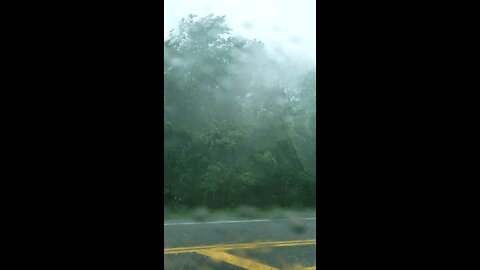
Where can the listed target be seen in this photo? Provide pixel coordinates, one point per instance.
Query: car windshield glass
(239, 134)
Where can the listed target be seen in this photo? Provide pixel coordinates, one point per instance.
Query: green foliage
(237, 132)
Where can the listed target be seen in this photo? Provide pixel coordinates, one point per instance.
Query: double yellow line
(224, 247)
(217, 252)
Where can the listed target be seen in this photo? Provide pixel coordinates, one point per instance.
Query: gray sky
(285, 26)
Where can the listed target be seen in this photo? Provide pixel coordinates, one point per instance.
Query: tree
(231, 126)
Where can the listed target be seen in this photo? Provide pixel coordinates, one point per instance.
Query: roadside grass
(203, 214)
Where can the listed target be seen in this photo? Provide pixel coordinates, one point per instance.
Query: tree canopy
(239, 127)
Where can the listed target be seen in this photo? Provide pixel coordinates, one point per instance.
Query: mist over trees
(239, 127)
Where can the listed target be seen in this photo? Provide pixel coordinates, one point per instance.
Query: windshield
(239, 134)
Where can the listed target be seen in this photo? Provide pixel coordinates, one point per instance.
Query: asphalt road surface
(261, 243)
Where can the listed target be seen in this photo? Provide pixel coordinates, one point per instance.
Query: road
(266, 243)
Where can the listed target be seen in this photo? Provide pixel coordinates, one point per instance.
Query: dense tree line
(239, 128)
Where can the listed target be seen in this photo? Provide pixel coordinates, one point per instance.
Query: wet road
(268, 243)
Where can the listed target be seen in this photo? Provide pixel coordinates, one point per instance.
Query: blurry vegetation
(239, 128)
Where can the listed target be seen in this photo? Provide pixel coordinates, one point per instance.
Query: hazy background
(286, 27)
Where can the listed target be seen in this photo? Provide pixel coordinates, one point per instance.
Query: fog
(239, 133)
(239, 104)
(286, 27)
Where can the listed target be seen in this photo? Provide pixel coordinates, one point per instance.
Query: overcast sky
(285, 26)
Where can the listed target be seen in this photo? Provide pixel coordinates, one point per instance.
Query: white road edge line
(231, 221)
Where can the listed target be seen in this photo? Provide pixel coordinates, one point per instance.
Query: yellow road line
(234, 260)
(223, 247)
